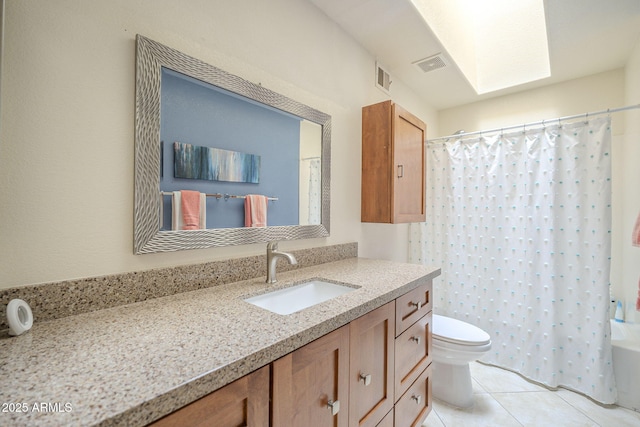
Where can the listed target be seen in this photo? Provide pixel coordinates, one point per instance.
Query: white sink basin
(299, 297)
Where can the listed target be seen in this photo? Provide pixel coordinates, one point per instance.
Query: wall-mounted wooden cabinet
(393, 165)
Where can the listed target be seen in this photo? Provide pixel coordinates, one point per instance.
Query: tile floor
(504, 399)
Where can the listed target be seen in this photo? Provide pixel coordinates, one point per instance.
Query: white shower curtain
(315, 202)
(521, 225)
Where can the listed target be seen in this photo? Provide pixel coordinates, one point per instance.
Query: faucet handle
(272, 246)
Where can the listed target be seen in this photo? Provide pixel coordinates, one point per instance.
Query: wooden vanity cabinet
(393, 165)
(372, 372)
(311, 384)
(371, 389)
(244, 402)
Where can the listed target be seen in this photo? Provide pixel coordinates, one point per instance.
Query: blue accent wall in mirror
(195, 112)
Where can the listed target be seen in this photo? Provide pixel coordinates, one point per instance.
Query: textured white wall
(66, 149)
(66, 156)
(578, 96)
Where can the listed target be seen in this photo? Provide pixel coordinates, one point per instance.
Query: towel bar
(220, 196)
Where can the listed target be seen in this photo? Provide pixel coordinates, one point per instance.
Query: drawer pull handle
(416, 339)
(334, 406)
(400, 171)
(366, 379)
(417, 305)
(417, 398)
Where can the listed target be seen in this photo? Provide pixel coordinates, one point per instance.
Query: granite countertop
(132, 364)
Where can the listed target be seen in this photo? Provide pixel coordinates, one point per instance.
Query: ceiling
(585, 37)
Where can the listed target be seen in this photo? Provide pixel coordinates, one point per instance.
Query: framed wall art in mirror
(305, 191)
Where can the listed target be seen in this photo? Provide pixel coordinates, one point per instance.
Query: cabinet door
(371, 353)
(244, 402)
(409, 134)
(377, 167)
(311, 385)
(387, 421)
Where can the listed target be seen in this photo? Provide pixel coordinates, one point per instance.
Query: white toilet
(455, 344)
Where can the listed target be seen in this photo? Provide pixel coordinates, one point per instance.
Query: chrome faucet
(272, 256)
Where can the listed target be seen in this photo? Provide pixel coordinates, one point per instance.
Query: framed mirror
(156, 64)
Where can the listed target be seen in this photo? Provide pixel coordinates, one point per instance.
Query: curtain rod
(538, 123)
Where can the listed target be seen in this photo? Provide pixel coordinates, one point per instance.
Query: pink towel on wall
(635, 237)
(190, 204)
(255, 210)
(638, 300)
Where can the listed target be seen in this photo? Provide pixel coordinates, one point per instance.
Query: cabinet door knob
(417, 398)
(416, 339)
(417, 305)
(366, 379)
(334, 406)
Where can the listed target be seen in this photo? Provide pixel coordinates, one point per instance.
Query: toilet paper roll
(19, 317)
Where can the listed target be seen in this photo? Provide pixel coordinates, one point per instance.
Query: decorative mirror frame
(151, 57)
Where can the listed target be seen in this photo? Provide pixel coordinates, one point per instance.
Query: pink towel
(255, 210)
(190, 203)
(635, 237)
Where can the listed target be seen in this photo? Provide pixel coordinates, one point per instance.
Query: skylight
(495, 43)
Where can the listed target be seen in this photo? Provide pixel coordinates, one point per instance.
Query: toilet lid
(458, 332)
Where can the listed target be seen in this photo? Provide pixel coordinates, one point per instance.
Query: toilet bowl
(455, 344)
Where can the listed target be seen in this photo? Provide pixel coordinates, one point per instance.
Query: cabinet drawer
(413, 354)
(414, 406)
(412, 306)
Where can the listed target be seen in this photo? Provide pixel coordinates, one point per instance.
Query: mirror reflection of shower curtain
(521, 226)
(315, 201)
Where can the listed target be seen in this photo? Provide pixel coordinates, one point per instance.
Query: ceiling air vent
(383, 80)
(431, 63)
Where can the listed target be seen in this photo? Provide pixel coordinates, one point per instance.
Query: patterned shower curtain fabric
(521, 225)
(315, 202)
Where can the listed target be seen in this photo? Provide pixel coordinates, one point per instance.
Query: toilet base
(452, 384)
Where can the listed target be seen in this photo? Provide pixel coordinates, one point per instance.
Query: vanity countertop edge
(133, 364)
